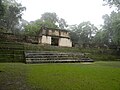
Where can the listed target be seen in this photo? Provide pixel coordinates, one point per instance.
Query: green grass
(97, 76)
(67, 76)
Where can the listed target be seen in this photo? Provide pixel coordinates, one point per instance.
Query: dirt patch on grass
(12, 77)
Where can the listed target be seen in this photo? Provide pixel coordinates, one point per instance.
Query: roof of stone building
(53, 29)
(46, 28)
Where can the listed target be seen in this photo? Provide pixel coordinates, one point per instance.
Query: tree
(84, 33)
(33, 27)
(12, 16)
(73, 35)
(112, 27)
(47, 19)
(100, 38)
(1, 9)
(62, 23)
(116, 32)
(53, 21)
(111, 3)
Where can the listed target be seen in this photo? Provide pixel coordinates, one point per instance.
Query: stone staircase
(54, 57)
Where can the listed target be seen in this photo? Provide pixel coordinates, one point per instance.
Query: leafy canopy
(9, 22)
(47, 19)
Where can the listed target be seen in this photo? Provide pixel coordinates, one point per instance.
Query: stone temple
(56, 37)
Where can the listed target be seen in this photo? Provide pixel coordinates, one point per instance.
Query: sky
(73, 11)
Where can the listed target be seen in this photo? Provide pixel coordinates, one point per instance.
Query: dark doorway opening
(54, 41)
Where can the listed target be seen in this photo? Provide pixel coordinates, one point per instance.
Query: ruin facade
(56, 37)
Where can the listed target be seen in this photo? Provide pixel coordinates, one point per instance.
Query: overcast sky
(73, 11)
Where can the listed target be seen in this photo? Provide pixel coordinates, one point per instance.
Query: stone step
(51, 61)
(57, 61)
(39, 57)
(53, 58)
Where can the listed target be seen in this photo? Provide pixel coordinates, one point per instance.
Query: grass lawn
(63, 76)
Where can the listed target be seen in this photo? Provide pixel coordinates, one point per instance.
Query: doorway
(55, 41)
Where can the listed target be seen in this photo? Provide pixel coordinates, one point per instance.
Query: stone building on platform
(56, 37)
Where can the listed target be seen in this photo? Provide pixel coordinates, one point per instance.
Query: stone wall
(64, 34)
(49, 35)
(65, 42)
(46, 39)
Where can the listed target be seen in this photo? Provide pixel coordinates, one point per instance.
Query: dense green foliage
(95, 76)
(9, 22)
(83, 33)
(112, 28)
(47, 19)
(1, 9)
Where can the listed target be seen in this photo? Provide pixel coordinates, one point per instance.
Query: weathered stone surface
(56, 37)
